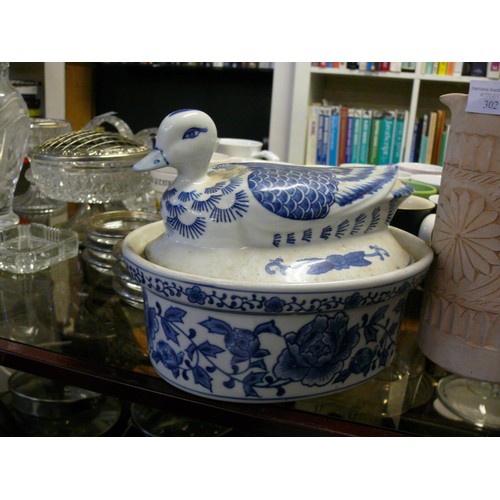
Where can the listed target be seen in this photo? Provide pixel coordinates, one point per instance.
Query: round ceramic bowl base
(269, 358)
(257, 342)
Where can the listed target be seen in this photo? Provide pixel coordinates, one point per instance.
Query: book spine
(366, 122)
(478, 69)
(409, 67)
(397, 148)
(466, 68)
(442, 68)
(312, 134)
(342, 134)
(457, 68)
(319, 141)
(423, 139)
(356, 136)
(493, 70)
(430, 137)
(440, 125)
(334, 136)
(415, 142)
(349, 136)
(374, 139)
(386, 134)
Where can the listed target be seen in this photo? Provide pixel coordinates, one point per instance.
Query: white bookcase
(297, 85)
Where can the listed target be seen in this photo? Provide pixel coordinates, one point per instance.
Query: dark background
(238, 100)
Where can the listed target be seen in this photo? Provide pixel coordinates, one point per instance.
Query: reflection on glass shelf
(473, 401)
(380, 400)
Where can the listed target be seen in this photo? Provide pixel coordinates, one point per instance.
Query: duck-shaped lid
(264, 206)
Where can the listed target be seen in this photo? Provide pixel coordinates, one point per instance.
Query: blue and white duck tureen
(270, 281)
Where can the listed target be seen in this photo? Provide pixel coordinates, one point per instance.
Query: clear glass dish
(27, 248)
(89, 167)
(474, 401)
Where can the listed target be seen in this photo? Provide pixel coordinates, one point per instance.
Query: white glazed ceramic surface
(268, 281)
(257, 342)
(420, 168)
(244, 149)
(270, 221)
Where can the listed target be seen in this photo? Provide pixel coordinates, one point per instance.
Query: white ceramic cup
(244, 148)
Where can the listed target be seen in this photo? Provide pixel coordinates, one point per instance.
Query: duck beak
(155, 159)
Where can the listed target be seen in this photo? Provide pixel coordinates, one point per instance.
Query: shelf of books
(423, 70)
(340, 134)
(375, 112)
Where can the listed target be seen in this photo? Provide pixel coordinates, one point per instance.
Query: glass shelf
(54, 324)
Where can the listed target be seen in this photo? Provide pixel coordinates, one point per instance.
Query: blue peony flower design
(316, 353)
(243, 344)
(168, 357)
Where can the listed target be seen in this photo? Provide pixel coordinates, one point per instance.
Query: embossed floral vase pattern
(460, 323)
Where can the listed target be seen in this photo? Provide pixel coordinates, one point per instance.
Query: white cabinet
(417, 92)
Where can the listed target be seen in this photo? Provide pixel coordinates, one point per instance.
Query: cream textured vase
(460, 320)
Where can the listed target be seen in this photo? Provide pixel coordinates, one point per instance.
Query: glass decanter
(14, 134)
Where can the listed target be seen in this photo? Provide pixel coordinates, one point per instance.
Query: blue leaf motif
(259, 364)
(269, 327)
(342, 376)
(202, 377)
(217, 326)
(170, 333)
(209, 350)
(254, 378)
(191, 350)
(379, 315)
(260, 353)
(250, 391)
(384, 356)
(250, 380)
(370, 333)
(174, 315)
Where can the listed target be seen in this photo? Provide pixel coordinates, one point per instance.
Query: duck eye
(193, 132)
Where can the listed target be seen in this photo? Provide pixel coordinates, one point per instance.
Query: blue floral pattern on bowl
(221, 356)
(262, 343)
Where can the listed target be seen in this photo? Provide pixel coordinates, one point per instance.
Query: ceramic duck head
(185, 140)
(263, 207)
